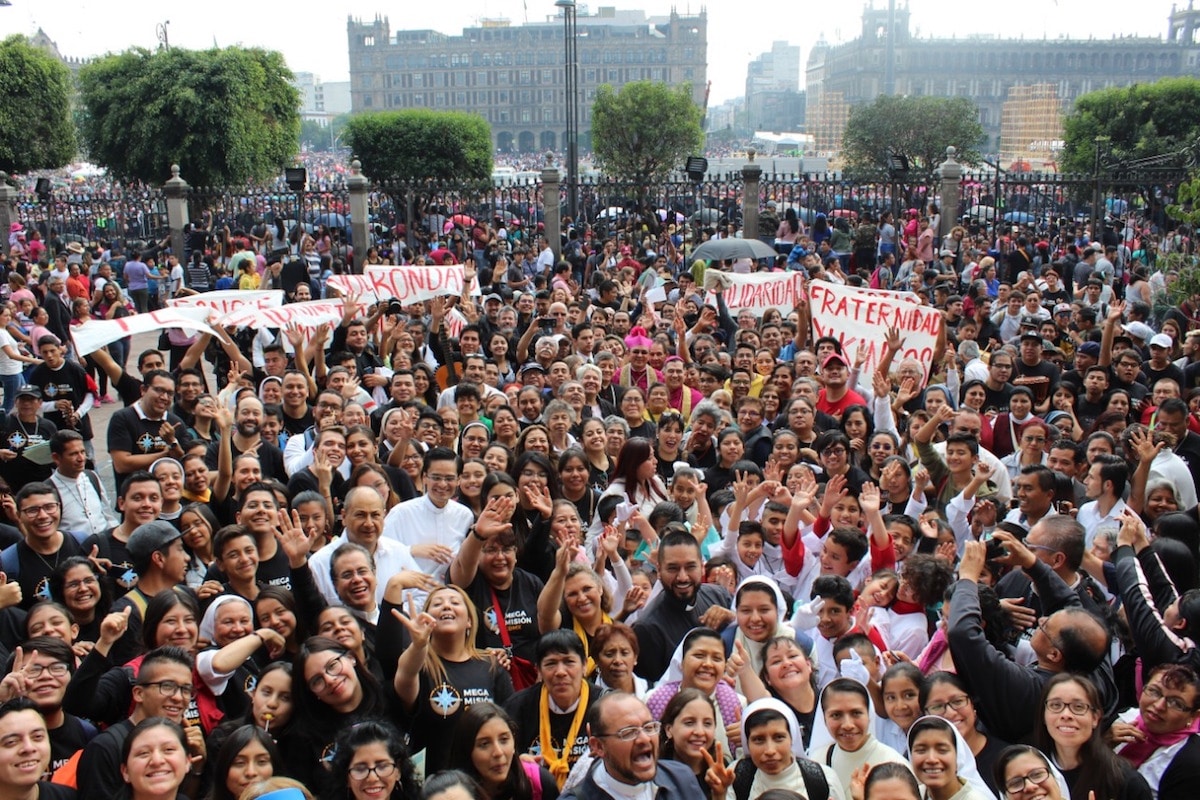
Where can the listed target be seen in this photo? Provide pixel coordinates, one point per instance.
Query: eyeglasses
(834, 451)
(57, 669)
(170, 688)
(1077, 708)
(333, 668)
(382, 770)
(1037, 777)
(441, 478)
(163, 391)
(495, 551)
(45, 508)
(1152, 693)
(631, 732)
(882, 446)
(71, 586)
(351, 574)
(954, 704)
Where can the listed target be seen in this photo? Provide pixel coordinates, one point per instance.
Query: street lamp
(571, 79)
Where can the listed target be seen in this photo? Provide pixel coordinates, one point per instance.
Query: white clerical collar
(622, 791)
(568, 710)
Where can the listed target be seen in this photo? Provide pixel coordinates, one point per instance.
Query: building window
(525, 115)
(368, 41)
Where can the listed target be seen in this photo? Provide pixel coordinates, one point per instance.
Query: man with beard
(247, 438)
(684, 603)
(146, 431)
(562, 696)
(624, 738)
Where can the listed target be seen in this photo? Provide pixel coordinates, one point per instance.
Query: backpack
(534, 773)
(11, 564)
(816, 785)
(874, 284)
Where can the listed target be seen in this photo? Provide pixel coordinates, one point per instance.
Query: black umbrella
(723, 249)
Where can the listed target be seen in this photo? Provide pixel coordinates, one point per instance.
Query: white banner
(94, 334)
(408, 284)
(759, 291)
(231, 300)
(862, 317)
(305, 315)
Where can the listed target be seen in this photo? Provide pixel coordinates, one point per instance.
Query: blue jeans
(10, 384)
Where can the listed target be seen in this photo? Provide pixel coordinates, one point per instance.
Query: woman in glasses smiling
(370, 762)
(1068, 730)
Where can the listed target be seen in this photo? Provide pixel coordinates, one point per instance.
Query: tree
(645, 131)
(918, 128)
(226, 116)
(36, 129)
(418, 144)
(1146, 119)
(316, 136)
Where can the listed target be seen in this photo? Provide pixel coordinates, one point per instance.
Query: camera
(546, 324)
(395, 307)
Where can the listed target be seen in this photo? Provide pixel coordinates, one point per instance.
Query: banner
(759, 291)
(862, 317)
(306, 315)
(94, 334)
(408, 284)
(231, 300)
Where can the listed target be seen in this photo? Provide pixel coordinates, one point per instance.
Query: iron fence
(81, 216)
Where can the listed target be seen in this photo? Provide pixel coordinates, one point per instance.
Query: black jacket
(665, 621)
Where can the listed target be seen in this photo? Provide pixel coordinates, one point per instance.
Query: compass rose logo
(445, 700)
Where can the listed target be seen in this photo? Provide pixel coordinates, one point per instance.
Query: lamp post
(571, 84)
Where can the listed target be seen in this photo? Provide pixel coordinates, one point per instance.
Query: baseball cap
(29, 391)
(152, 536)
(493, 296)
(1139, 330)
(1090, 349)
(1162, 340)
(1031, 336)
(946, 254)
(1030, 320)
(533, 366)
(1062, 308)
(834, 357)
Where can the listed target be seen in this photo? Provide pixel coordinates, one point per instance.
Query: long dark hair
(1100, 771)
(309, 712)
(462, 743)
(286, 599)
(370, 732)
(159, 606)
(675, 706)
(231, 748)
(634, 453)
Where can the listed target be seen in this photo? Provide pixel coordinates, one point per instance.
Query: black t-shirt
(525, 708)
(130, 432)
(298, 425)
(35, 569)
(19, 437)
(274, 571)
(68, 739)
(55, 791)
(68, 382)
(270, 458)
(121, 570)
(440, 705)
(1154, 375)
(519, 604)
(1086, 411)
(99, 771)
(1042, 369)
(997, 398)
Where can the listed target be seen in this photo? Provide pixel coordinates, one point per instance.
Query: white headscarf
(821, 737)
(675, 667)
(776, 705)
(755, 649)
(963, 757)
(208, 625)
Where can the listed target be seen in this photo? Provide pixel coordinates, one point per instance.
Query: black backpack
(816, 786)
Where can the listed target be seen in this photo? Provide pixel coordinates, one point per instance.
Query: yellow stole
(590, 667)
(559, 764)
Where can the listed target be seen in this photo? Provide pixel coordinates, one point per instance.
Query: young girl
(689, 725)
(774, 759)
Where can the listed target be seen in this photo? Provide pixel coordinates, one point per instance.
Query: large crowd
(589, 532)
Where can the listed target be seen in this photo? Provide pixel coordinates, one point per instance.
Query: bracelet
(475, 533)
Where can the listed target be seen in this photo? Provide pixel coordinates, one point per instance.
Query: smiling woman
(155, 760)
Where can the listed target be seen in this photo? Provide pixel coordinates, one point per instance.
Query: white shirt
(1171, 467)
(83, 508)
(419, 521)
(390, 557)
(1093, 521)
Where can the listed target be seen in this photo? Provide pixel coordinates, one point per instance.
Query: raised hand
(292, 538)
(411, 579)
(635, 598)
(869, 498)
(539, 498)
(322, 468)
(419, 625)
(858, 782)
(496, 517)
(114, 625)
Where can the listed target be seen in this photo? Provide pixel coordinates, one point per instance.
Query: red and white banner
(861, 318)
(94, 334)
(231, 300)
(760, 291)
(305, 315)
(408, 284)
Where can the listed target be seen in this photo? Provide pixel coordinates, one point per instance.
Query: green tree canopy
(418, 144)
(36, 129)
(918, 128)
(644, 131)
(1146, 119)
(226, 116)
(316, 136)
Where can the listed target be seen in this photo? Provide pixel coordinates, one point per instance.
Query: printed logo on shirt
(328, 753)
(445, 700)
(150, 444)
(42, 592)
(51, 390)
(17, 440)
(250, 684)
(124, 575)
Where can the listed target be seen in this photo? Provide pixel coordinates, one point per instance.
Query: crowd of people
(560, 538)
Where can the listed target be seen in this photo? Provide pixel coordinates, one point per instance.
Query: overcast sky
(312, 36)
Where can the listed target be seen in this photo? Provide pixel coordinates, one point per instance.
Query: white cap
(1162, 340)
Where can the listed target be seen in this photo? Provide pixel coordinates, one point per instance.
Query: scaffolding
(1031, 129)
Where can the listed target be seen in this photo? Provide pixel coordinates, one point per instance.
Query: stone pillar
(8, 206)
(950, 172)
(359, 219)
(552, 209)
(751, 173)
(176, 190)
